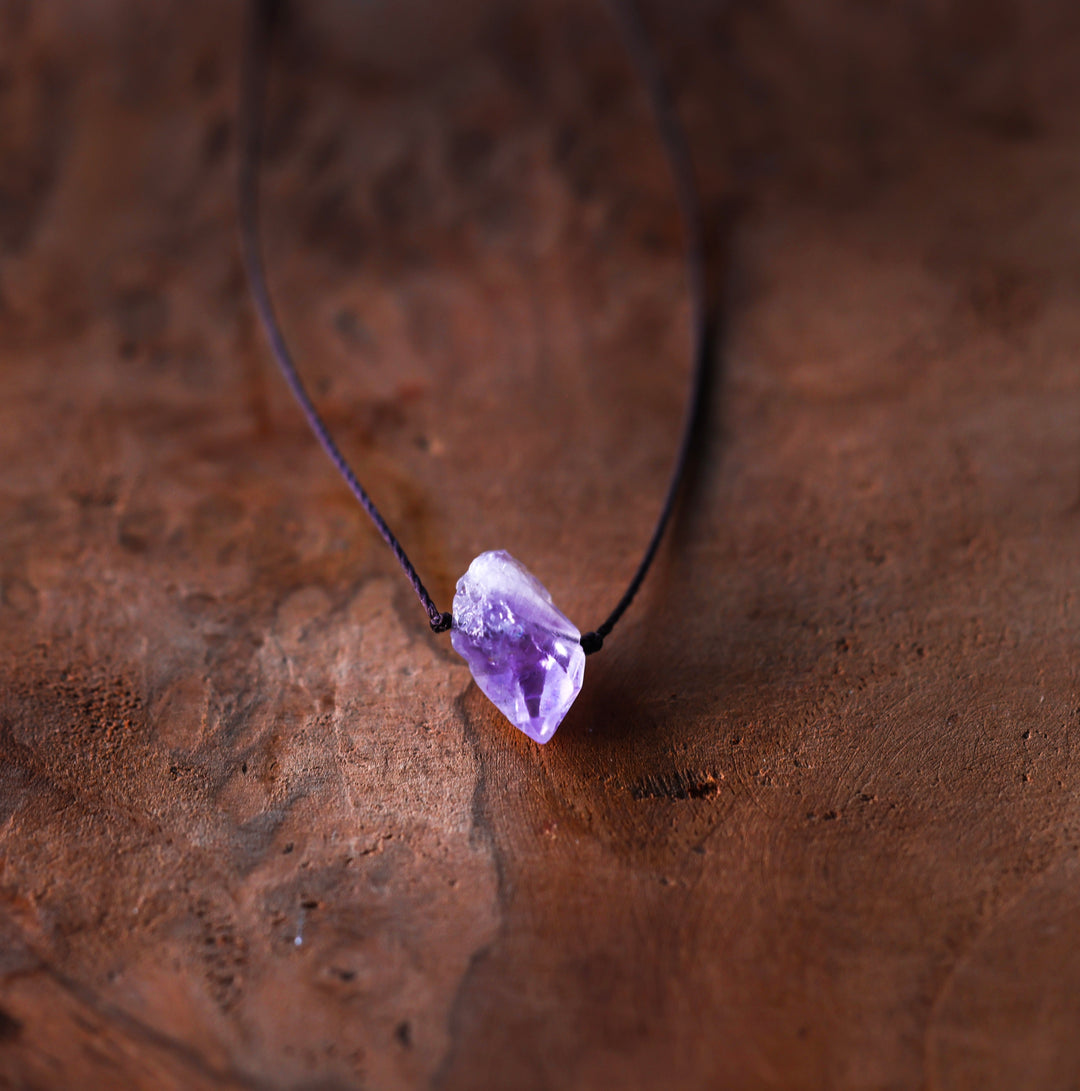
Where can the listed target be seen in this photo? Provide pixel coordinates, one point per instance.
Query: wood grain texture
(814, 821)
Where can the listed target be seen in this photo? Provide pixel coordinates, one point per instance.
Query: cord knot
(591, 642)
(441, 622)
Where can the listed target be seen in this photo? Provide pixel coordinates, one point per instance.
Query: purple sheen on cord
(524, 653)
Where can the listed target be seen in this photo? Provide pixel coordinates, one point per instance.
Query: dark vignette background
(813, 822)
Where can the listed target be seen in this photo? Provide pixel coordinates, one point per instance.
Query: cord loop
(673, 140)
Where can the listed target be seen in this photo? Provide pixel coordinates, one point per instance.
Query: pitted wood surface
(813, 822)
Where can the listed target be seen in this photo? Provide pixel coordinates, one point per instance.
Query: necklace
(524, 653)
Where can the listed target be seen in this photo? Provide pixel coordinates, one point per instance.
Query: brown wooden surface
(814, 821)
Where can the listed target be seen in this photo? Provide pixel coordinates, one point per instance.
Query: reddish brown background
(814, 821)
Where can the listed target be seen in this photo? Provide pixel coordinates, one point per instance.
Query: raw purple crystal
(524, 653)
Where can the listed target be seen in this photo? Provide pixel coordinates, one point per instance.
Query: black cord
(260, 19)
(682, 173)
(260, 22)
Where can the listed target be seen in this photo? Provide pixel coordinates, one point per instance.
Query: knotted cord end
(591, 642)
(441, 622)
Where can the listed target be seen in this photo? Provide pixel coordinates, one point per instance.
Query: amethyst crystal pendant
(523, 653)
